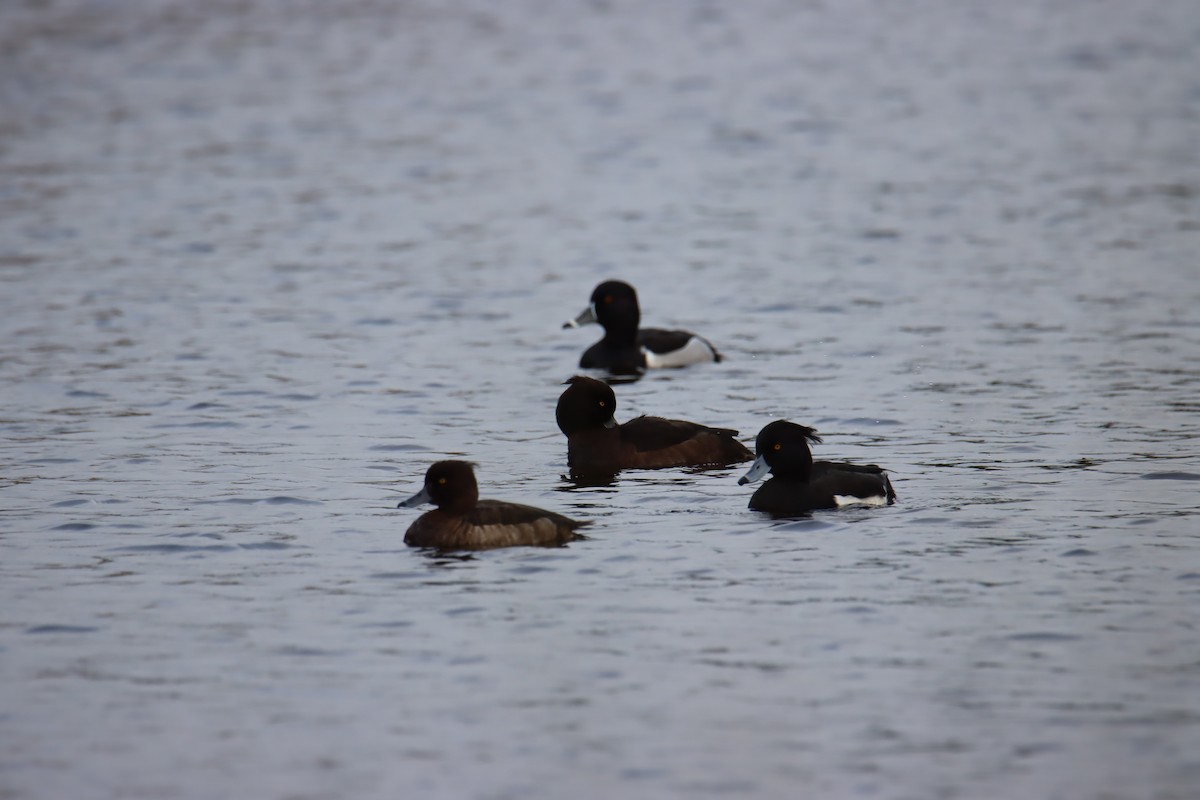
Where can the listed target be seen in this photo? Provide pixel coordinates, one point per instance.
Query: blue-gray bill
(587, 316)
(418, 499)
(757, 470)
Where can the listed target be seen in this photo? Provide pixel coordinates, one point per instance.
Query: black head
(615, 305)
(587, 404)
(784, 446)
(449, 485)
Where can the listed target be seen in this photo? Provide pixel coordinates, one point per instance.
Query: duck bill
(588, 315)
(611, 422)
(418, 499)
(757, 470)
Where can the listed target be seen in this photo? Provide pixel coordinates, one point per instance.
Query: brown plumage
(597, 444)
(464, 522)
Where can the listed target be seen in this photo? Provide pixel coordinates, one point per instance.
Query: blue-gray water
(261, 263)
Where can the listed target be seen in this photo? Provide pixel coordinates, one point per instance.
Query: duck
(462, 521)
(628, 349)
(598, 445)
(800, 484)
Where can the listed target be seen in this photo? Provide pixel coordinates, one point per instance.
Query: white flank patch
(844, 500)
(696, 351)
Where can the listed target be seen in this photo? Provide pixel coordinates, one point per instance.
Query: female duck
(462, 521)
(625, 348)
(801, 484)
(598, 445)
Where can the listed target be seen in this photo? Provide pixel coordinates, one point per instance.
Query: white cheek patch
(696, 351)
(844, 500)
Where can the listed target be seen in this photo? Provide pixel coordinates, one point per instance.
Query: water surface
(261, 263)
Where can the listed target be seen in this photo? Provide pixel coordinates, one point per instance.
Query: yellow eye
(777, 447)
(603, 403)
(442, 481)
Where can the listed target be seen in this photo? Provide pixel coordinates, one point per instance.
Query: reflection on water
(262, 263)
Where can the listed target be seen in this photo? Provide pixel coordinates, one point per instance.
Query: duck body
(492, 523)
(832, 485)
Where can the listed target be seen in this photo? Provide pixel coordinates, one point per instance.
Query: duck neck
(798, 468)
(463, 503)
(621, 326)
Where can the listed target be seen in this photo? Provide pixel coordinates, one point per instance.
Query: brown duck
(597, 444)
(462, 521)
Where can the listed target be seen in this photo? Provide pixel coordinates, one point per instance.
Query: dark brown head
(449, 485)
(587, 404)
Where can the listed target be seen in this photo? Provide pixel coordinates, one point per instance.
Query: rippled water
(261, 263)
